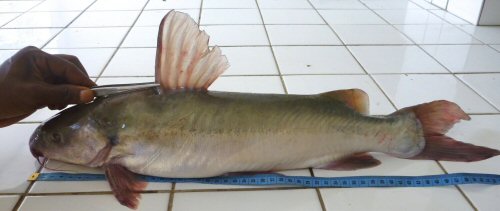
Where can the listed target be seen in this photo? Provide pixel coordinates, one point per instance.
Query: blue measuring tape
(302, 181)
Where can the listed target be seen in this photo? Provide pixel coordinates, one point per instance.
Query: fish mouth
(33, 143)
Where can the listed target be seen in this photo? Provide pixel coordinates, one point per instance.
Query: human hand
(33, 79)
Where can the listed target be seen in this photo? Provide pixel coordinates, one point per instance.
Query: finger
(58, 96)
(12, 120)
(61, 68)
(74, 60)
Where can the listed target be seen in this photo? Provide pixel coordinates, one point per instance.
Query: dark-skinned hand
(33, 79)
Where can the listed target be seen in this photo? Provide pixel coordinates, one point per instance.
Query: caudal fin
(437, 118)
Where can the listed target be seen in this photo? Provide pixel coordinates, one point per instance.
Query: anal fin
(353, 162)
(124, 184)
(356, 99)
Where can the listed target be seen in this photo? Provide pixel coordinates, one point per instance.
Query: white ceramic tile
(315, 60)
(436, 34)
(408, 199)
(106, 18)
(281, 4)
(63, 5)
(20, 38)
(198, 186)
(337, 4)
(88, 37)
(118, 5)
(409, 90)
(487, 34)
(370, 34)
(466, 58)
(314, 84)
(290, 200)
(390, 4)
(5, 54)
(236, 35)
(334, 17)
(487, 85)
(149, 202)
(409, 17)
(242, 61)
(449, 17)
(291, 16)
(142, 64)
(16, 160)
(229, 4)
(93, 59)
(174, 4)
(17, 6)
(153, 17)
(237, 16)
(8, 202)
(252, 84)
(481, 130)
(6, 17)
(301, 35)
(124, 80)
(43, 19)
(142, 36)
(40, 115)
(396, 59)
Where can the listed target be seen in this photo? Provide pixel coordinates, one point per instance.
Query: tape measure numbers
(302, 181)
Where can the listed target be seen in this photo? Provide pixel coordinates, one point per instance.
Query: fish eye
(56, 138)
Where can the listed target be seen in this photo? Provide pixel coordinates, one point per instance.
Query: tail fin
(436, 119)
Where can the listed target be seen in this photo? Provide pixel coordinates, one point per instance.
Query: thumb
(64, 95)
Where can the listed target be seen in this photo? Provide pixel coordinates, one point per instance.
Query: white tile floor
(401, 52)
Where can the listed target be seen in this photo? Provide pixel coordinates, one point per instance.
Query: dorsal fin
(183, 59)
(356, 99)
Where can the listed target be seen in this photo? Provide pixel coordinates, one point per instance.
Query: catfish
(182, 130)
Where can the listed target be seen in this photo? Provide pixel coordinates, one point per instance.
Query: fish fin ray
(352, 162)
(355, 99)
(448, 149)
(125, 185)
(436, 118)
(183, 58)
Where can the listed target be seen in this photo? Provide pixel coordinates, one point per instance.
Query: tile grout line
(352, 55)
(199, 13)
(67, 25)
(22, 13)
(121, 42)
(318, 193)
(272, 49)
(170, 205)
(26, 192)
(467, 199)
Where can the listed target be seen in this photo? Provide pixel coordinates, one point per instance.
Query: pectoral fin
(356, 99)
(353, 162)
(124, 184)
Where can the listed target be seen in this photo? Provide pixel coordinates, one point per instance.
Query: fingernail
(86, 95)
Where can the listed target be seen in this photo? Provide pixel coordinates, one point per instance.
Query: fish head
(72, 136)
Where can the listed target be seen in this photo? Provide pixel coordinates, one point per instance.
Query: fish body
(183, 130)
(202, 134)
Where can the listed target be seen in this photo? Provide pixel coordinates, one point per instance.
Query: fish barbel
(183, 130)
